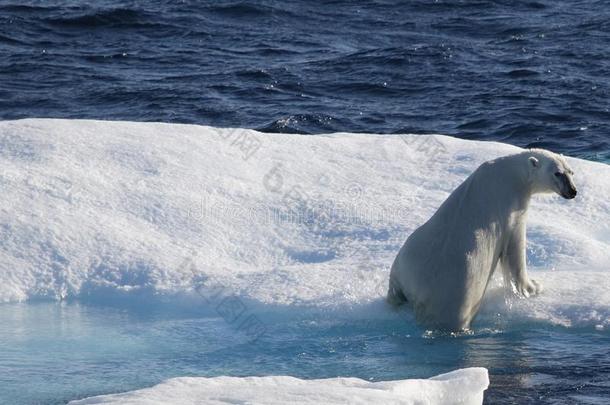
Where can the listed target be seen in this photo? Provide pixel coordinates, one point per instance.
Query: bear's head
(550, 173)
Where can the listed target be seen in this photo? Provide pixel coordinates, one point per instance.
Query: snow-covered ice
(101, 211)
(464, 386)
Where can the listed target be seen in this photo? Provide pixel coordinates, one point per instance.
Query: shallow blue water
(530, 73)
(54, 352)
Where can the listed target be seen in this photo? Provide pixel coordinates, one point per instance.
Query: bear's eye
(557, 174)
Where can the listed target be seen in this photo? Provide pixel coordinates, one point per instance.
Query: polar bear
(443, 268)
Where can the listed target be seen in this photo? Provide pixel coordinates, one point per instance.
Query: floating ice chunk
(102, 211)
(465, 386)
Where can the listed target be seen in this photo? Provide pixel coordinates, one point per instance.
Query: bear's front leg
(513, 260)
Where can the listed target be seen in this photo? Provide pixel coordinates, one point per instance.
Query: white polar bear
(444, 267)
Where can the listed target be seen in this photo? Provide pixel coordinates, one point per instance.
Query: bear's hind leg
(395, 296)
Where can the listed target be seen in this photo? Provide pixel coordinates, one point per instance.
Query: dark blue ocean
(530, 73)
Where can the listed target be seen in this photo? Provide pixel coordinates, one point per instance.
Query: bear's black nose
(569, 193)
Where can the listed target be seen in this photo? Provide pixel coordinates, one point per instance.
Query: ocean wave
(247, 10)
(299, 124)
(94, 18)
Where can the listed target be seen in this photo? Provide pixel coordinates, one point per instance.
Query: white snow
(464, 386)
(147, 212)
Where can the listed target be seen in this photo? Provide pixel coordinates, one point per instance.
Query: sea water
(51, 353)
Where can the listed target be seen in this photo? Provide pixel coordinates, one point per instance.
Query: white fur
(444, 267)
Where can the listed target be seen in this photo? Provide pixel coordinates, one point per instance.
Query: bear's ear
(533, 161)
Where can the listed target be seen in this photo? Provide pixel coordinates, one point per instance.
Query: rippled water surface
(531, 73)
(51, 353)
